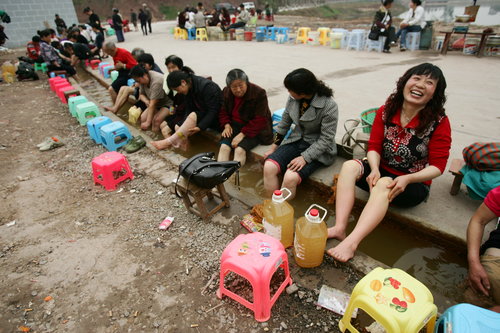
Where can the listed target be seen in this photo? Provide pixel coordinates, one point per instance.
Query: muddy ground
(77, 258)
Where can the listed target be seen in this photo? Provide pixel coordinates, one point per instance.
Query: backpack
(25, 71)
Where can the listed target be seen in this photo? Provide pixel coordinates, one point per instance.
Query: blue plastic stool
(282, 35)
(276, 118)
(106, 71)
(192, 34)
(74, 101)
(130, 82)
(468, 318)
(103, 64)
(260, 34)
(94, 127)
(271, 33)
(86, 111)
(114, 135)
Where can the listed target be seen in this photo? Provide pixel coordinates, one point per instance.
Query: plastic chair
(192, 34)
(394, 299)
(110, 169)
(413, 41)
(324, 36)
(255, 257)
(86, 111)
(201, 34)
(302, 35)
(94, 127)
(376, 45)
(465, 318)
(73, 102)
(114, 135)
(356, 39)
(94, 64)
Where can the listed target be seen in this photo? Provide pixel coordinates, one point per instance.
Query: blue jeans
(404, 31)
(119, 35)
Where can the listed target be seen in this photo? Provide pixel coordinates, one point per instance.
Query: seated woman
(203, 100)
(413, 22)
(383, 19)
(313, 114)
(409, 146)
(245, 117)
(51, 57)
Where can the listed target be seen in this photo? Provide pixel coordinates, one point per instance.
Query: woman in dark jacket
(118, 25)
(383, 19)
(202, 103)
(245, 117)
(143, 17)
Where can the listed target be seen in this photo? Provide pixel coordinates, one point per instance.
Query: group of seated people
(199, 18)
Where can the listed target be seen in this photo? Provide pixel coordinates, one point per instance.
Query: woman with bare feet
(245, 118)
(409, 146)
(203, 100)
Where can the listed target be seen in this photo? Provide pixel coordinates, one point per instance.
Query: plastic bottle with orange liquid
(8, 72)
(278, 217)
(310, 238)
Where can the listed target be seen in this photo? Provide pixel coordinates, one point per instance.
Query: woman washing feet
(409, 146)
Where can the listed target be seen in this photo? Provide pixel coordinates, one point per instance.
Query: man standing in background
(149, 15)
(133, 18)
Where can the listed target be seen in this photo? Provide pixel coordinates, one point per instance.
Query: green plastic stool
(41, 67)
(74, 101)
(110, 32)
(114, 75)
(86, 111)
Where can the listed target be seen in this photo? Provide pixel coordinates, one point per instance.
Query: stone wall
(28, 16)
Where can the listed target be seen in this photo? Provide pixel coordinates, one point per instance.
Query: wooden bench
(456, 165)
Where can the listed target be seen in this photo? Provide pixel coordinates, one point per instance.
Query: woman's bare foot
(165, 131)
(145, 125)
(342, 252)
(334, 232)
(110, 109)
(161, 144)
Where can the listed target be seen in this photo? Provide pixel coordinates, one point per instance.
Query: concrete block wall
(28, 16)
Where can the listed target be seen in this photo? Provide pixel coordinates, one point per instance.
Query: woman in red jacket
(245, 117)
(409, 146)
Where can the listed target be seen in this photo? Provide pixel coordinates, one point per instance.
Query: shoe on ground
(393, 43)
(386, 51)
(50, 143)
(402, 48)
(136, 143)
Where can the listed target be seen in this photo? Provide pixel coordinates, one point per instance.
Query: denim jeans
(402, 32)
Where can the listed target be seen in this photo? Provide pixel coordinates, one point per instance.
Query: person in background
(98, 40)
(245, 118)
(241, 20)
(182, 18)
(124, 61)
(143, 17)
(52, 57)
(189, 24)
(93, 19)
(213, 21)
(314, 114)
(118, 25)
(224, 18)
(414, 21)
(60, 25)
(77, 52)
(76, 37)
(409, 146)
(133, 18)
(484, 261)
(147, 11)
(33, 49)
(383, 19)
(147, 61)
(199, 17)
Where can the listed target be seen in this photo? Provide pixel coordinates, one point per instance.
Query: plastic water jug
(278, 217)
(8, 72)
(310, 238)
(114, 75)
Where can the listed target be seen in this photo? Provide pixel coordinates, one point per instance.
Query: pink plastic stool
(59, 85)
(94, 64)
(54, 80)
(255, 257)
(61, 90)
(110, 169)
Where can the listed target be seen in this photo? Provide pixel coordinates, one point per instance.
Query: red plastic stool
(54, 80)
(255, 257)
(110, 169)
(62, 90)
(94, 64)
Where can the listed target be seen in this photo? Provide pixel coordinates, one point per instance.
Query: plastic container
(8, 72)
(336, 40)
(310, 238)
(114, 75)
(248, 36)
(278, 218)
(471, 46)
(438, 44)
(367, 118)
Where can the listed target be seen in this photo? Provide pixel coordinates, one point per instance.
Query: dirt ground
(76, 258)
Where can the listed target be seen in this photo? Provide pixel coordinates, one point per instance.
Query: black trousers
(391, 36)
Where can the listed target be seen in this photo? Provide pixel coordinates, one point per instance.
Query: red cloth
(492, 200)
(33, 50)
(236, 114)
(124, 57)
(438, 147)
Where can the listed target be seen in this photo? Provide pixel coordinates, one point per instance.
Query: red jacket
(33, 50)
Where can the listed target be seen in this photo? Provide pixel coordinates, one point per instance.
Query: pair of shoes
(386, 51)
(50, 143)
(136, 143)
(402, 49)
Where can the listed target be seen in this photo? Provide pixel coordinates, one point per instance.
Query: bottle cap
(278, 196)
(314, 212)
(313, 216)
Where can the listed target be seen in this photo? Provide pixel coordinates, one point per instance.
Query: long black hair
(303, 81)
(434, 108)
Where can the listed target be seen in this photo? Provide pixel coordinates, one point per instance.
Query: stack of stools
(413, 41)
(74, 101)
(271, 33)
(282, 35)
(394, 299)
(201, 34)
(94, 127)
(198, 195)
(114, 135)
(110, 169)
(468, 318)
(356, 39)
(260, 34)
(104, 65)
(343, 39)
(86, 111)
(255, 257)
(377, 45)
(54, 80)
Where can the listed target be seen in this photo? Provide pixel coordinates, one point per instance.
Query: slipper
(136, 143)
(50, 143)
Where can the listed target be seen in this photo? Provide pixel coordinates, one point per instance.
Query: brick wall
(28, 16)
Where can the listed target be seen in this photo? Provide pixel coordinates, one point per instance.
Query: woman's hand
(297, 164)
(373, 178)
(397, 186)
(270, 151)
(478, 278)
(237, 139)
(228, 131)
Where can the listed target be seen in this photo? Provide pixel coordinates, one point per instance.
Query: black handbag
(204, 171)
(374, 32)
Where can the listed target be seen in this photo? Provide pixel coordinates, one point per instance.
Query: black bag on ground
(25, 71)
(204, 171)
(374, 32)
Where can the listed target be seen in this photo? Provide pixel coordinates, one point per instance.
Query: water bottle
(278, 217)
(310, 238)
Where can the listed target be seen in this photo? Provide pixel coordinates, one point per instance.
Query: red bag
(483, 156)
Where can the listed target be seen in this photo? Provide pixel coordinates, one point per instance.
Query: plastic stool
(41, 67)
(260, 34)
(62, 90)
(70, 93)
(54, 80)
(465, 318)
(114, 135)
(73, 102)
(106, 71)
(101, 65)
(94, 127)
(271, 33)
(86, 111)
(376, 45)
(413, 41)
(61, 73)
(114, 75)
(276, 118)
(324, 36)
(94, 64)
(356, 39)
(302, 35)
(394, 299)
(192, 34)
(201, 34)
(60, 85)
(255, 257)
(313, 38)
(107, 168)
(180, 33)
(344, 38)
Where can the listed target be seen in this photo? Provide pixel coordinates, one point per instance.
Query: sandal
(136, 143)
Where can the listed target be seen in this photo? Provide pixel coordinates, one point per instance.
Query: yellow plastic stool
(395, 299)
(324, 36)
(201, 34)
(180, 33)
(302, 35)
